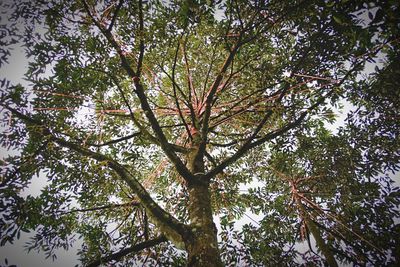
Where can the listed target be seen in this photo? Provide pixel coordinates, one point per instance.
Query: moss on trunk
(203, 248)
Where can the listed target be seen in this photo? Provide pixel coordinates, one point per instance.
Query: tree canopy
(163, 127)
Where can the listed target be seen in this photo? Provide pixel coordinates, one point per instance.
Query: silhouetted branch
(111, 206)
(122, 253)
(115, 15)
(111, 142)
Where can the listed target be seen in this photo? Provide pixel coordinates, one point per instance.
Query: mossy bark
(202, 247)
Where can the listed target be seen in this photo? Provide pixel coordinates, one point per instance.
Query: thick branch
(249, 145)
(166, 147)
(315, 231)
(122, 253)
(111, 39)
(167, 223)
(131, 113)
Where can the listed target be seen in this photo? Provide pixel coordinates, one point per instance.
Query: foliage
(130, 107)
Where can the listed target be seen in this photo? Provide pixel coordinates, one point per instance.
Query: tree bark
(314, 230)
(202, 247)
(330, 259)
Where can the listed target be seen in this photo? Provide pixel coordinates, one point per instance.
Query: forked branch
(139, 90)
(250, 143)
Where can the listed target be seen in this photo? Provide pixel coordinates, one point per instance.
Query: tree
(148, 117)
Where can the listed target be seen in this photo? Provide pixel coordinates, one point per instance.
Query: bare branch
(115, 15)
(174, 85)
(192, 91)
(210, 98)
(122, 253)
(249, 144)
(110, 206)
(141, 40)
(209, 71)
(111, 142)
(257, 94)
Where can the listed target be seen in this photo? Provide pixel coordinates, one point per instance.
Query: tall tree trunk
(203, 247)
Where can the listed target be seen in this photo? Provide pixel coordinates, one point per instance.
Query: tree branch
(163, 142)
(165, 221)
(122, 253)
(110, 206)
(131, 115)
(174, 85)
(111, 142)
(245, 107)
(141, 40)
(192, 91)
(115, 15)
(249, 144)
(208, 72)
(210, 98)
(111, 39)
